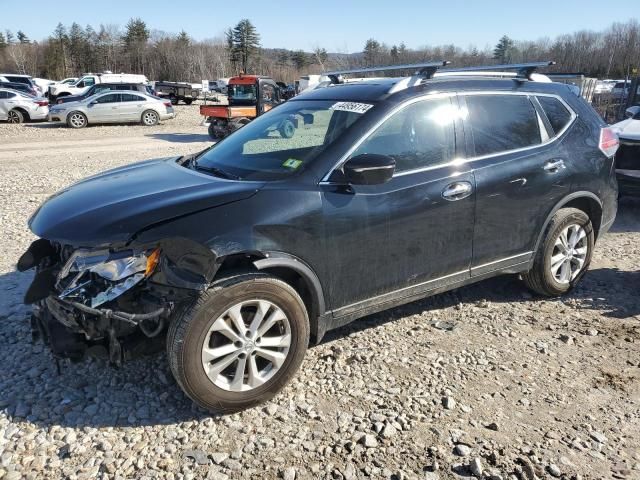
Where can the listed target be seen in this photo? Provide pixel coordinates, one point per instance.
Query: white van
(90, 79)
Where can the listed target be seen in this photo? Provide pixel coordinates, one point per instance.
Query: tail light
(41, 103)
(167, 104)
(608, 142)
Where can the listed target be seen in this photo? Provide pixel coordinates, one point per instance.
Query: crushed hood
(112, 206)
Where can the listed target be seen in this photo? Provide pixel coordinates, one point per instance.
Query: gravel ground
(485, 381)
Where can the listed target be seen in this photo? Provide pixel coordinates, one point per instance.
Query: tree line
(135, 48)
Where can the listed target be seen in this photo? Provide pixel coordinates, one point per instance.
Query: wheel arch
(23, 111)
(586, 201)
(289, 269)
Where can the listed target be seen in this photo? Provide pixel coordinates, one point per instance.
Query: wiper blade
(215, 171)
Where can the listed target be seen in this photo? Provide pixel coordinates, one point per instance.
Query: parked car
(110, 107)
(24, 79)
(89, 80)
(628, 155)
(22, 87)
(106, 87)
(621, 89)
(387, 191)
(18, 107)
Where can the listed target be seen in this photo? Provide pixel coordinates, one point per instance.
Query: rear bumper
(167, 116)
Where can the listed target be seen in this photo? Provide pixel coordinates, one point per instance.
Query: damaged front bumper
(103, 303)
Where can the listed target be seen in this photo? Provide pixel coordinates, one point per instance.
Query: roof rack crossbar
(524, 70)
(425, 70)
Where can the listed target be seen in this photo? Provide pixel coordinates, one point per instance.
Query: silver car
(113, 107)
(18, 107)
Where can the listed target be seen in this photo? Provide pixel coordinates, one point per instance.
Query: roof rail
(425, 70)
(524, 70)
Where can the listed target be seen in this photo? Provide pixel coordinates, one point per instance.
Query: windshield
(282, 142)
(242, 92)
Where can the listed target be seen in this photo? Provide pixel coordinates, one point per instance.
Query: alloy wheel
(150, 118)
(13, 117)
(246, 345)
(569, 253)
(77, 120)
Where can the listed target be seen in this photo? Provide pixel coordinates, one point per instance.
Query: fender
(558, 206)
(285, 260)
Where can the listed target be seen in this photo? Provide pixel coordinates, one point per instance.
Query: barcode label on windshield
(351, 107)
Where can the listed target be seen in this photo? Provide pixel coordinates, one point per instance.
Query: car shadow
(181, 137)
(143, 392)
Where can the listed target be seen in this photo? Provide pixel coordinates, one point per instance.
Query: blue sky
(337, 25)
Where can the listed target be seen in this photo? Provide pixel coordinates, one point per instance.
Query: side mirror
(633, 112)
(369, 169)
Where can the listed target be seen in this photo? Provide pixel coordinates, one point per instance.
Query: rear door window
(128, 97)
(500, 123)
(556, 112)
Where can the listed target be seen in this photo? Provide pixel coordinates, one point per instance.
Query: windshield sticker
(292, 163)
(351, 107)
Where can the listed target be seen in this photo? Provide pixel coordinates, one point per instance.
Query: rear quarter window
(500, 123)
(556, 112)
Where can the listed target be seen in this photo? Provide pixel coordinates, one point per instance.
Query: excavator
(249, 96)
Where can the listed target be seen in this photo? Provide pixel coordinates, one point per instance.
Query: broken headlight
(97, 277)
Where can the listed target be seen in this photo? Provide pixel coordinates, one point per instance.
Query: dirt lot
(484, 379)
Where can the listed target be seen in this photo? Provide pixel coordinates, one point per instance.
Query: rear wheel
(564, 255)
(150, 118)
(287, 129)
(77, 120)
(188, 101)
(239, 343)
(15, 116)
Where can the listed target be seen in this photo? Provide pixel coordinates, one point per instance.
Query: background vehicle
(628, 155)
(42, 85)
(18, 107)
(219, 85)
(22, 87)
(86, 81)
(69, 80)
(621, 89)
(176, 91)
(248, 96)
(247, 251)
(105, 87)
(24, 79)
(111, 107)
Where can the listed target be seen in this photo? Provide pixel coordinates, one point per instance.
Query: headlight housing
(122, 270)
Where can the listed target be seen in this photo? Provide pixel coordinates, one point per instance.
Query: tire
(545, 277)
(190, 334)
(15, 116)
(216, 132)
(188, 101)
(77, 120)
(287, 129)
(149, 118)
(173, 99)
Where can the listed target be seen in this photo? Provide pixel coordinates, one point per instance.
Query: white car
(18, 107)
(82, 84)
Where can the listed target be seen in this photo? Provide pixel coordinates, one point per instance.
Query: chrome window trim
(457, 161)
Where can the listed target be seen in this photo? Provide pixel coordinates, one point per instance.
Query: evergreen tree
(504, 50)
(135, 42)
(183, 39)
(300, 59)
(10, 38)
(22, 37)
(3, 42)
(243, 43)
(371, 52)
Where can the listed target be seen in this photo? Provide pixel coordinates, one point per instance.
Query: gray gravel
(483, 381)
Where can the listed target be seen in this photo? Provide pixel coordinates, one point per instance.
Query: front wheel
(77, 120)
(564, 255)
(239, 343)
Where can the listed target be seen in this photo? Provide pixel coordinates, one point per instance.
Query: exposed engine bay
(111, 303)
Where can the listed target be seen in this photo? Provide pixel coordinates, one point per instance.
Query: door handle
(457, 191)
(553, 166)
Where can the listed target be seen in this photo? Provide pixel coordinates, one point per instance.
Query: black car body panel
(110, 208)
(356, 249)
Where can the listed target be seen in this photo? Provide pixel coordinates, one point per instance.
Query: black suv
(104, 87)
(388, 191)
